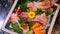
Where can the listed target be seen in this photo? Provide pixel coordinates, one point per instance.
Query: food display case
(18, 8)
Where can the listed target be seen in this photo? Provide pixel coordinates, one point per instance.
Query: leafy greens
(16, 28)
(39, 12)
(22, 22)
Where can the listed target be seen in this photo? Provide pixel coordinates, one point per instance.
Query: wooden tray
(54, 19)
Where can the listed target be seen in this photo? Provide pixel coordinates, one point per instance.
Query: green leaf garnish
(31, 0)
(24, 7)
(22, 1)
(41, 0)
(39, 12)
(48, 12)
(23, 4)
(16, 28)
(31, 24)
(22, 22)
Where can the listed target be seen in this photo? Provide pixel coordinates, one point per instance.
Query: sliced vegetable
(16, 28)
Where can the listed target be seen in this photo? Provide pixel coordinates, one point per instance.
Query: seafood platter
(31, 17)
